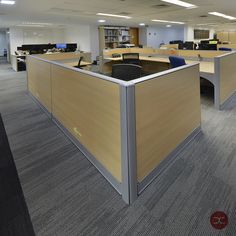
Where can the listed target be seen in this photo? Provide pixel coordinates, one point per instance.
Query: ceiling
(66, 12)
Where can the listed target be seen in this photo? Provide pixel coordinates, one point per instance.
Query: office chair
(126, 72)
(131, 58)
(225, 49)
(176, 61)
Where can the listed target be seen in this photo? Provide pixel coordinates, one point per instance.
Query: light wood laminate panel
(223, 36)
(232, 37)
(39, 81)
(65, 56)
(89, 108)
(227, 76)
(167, 111)
(202, 53)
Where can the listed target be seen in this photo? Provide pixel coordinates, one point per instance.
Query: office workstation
(120, 117)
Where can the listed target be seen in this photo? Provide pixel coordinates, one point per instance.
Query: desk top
(83, 63)
(205, 66)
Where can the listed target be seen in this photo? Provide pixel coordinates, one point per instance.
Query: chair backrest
(176, 61)
(131, 58)
(225, 49)
(126, 72)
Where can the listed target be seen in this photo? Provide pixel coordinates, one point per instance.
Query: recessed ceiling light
(112, 15)
(222, 15)
(142, 24)
(168, 26)
(7, 2)
(101, 21)
(180, 3)
(172, 22)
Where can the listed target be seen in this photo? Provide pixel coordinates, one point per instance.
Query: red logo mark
(219, 220)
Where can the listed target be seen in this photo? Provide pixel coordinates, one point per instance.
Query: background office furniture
(122, 131)
(212, 65)
(42, 48)
(126, 72)
(225, 49)
(131, 58)
(18, 62)
(112, 36)
(177, 61)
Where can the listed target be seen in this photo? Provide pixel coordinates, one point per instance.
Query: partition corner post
(128, 143)
(217, 82)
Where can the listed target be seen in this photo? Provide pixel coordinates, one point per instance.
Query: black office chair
(126, 72)
(176, 61)
(131, 58)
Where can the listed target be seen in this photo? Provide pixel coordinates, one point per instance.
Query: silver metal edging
(227, 101)
(169, 160)
(93, 74)
(217, 82)
(89, 156)
(128, 144)
(48, 113)
(160, 74)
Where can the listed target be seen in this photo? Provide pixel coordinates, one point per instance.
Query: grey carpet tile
(67, 196)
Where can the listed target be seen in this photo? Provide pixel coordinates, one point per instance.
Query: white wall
(94, 42)
(19, 36)
(3, 42)
(143, 36)
(78, 34)
(189, 33)
(154, 36)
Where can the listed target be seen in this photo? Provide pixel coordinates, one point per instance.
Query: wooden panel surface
(65, 56)
(223, 36)
(167, 111)
(89, 108)
(227, 76)
(202, 53)
(231, 45)
(232, 37)
(134, 36)
(39, 81)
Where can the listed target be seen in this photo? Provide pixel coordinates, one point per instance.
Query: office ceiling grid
(72, 11)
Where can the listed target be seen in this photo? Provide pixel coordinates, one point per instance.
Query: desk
(73, 64)
(17, 62)
(206, 67)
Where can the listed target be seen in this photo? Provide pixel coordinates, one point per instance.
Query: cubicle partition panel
(167, 112)
(65, 56)
(39, 81)
(125, 129)
(226, 77)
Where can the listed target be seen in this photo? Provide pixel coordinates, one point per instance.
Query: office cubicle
(215, 66)
(126, 129)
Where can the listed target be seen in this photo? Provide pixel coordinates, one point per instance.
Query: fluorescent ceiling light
(112, 15)
(180, 3)
(7, 2)
(35, 24)
(101, 21)
(142, 24)
(172, 22)
(168, 26)
(30, 25)
(222, 15)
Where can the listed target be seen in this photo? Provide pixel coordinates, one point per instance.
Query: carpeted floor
(14, 216)
(67, 196)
